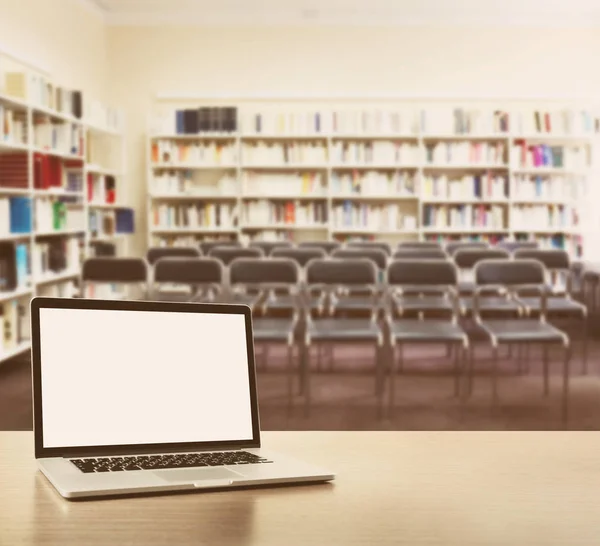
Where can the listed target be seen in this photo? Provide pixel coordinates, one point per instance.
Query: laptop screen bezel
(160, 307)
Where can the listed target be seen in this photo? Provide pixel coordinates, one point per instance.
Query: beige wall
(359, 61)
(64, 36)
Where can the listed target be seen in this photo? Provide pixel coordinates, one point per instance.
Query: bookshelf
(61, 167)
(400, 170)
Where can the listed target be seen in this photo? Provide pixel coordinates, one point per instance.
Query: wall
(359, 61)
(65, 36)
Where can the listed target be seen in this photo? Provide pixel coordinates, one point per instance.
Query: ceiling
(401, 12)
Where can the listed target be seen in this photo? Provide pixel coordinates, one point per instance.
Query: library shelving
(405, 170)
(60, 160)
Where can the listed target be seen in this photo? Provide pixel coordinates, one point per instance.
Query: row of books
(353, 215)
(14, 267)
(308, 183)
(12, 125)
(187, 182)
(103, 116)
(170, 240)
(15, 215)
(54, 257)
(383, 153)
(541, 155)
(542, 217)
(561, 122)
(194, 216)
(48, 171)
(464, 216)
(65, 138)
(101, 188)
(213, 119)
(553, 188)
(266, 153)
(208, 152)
(485, 186)
(466, 153)
(57, 215)
(398, 183)
(14, 324)
(461, 121)
(294, 213)
(41, 91)
(65, 289)
(109, 222)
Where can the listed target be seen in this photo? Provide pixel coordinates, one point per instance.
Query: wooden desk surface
(393, 488)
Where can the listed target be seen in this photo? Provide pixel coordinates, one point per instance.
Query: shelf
(57, 192)
(547, 231)
(57, 277)
(96, 169)
(380, 136)
(14, 191)
(109, 131)
(7, 146)
(367, 197)
(283, 167)
(255, 137)
(548, 170)
(466, 201)
(428, 229)
(184, 230)
(107, 206)
(13, 103)
(15, 236)
(192, 167)
(470, 137)
(60, 233)
(192, 197)
(521, 202)
(54, 114)
(108, 237)
(19, 349)
(491, 167)
(198, 136)
(56, 153)
(279, 197)
(369, 231)
(373, 167)
(15, 294)
(541, 137)
(267, 227)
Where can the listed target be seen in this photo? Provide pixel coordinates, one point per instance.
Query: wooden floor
(343, 399)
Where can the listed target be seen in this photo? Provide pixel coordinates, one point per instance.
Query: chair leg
(546, 370)
(457, 351)
(395, 364)
(584, 346)
(304, 361)
(265, 356)
(379, 379)
(470, 370)
(494, 375)
(290, 377)
(306, 381)
(565, 397)
(319, 357)
(520, 364)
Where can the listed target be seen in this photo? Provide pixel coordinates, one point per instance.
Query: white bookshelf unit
(402, 170)
(61, 160)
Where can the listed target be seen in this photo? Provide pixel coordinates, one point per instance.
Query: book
(20, 214)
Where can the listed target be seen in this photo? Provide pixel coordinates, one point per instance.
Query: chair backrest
(510, 273)
(259, 272)
(385, 247)
(114, 270)
(452, 248)
(420, 253)
(156, 253)
(207, 246)
(269, 246)
(376, 255)
(419, 245)
(553, 259)
(190, 271)
(327, 246)
(468, 258)
(418, 272)
(513, 246)
(102, 249)
(300, 255)
(227, 254)
(342, 272)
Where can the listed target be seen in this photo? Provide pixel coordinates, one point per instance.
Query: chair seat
(284, 302)
(245, 299)
(490, 304)
(466, 287)
(356, 303)
(423, 303)
(523, 330)
(426, 330)
(273, 329)
(343, 329)
(554, 305)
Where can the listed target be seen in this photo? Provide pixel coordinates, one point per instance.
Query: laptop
(135, 397)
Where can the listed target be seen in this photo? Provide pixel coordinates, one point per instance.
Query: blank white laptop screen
(141, 377)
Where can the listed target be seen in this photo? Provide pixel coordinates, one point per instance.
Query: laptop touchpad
(196, 474)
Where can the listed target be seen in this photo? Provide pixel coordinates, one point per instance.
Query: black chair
(156, 253)
(420, 253)
(560, 303)
(269, 246)
(453, 248)
(385, 247)
(327, 246)
(515, 276)
(226, 254)
(102, 249)
(300, 255)
(269, 278)
(188, 279)
(335, 323)
(435, 323)
(207, 246)
(512, 246)
(100, 275)
(418, 245)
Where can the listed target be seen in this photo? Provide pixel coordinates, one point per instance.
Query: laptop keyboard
(162, 462)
